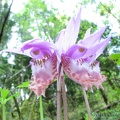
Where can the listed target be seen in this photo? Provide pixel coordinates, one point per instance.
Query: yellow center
(36, 52)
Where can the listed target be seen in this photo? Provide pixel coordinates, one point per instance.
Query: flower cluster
(78, 60)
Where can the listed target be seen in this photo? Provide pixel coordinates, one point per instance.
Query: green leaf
(115, 58)
(4, 93)
(11, 97)
(24, 84)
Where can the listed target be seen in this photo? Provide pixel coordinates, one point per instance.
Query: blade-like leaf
(24, 84)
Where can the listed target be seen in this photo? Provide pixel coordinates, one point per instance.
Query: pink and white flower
(43, 63)
(78, 59)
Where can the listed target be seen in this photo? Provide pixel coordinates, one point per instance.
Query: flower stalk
(41, 109)
(64, 99)
(87, 104)
(59, 94)
(58, 105)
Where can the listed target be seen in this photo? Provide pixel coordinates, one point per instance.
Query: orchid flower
(77, 59)
(43, 63)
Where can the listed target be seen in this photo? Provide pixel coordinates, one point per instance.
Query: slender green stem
(58, 99)
(59, 95)
(64, 99)
(87, 104)
(58, 105)
(41, 109)
(3, 111)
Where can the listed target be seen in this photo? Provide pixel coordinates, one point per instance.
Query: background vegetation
(37, 19)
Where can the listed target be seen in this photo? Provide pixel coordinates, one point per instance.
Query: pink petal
(35, 48)
(68, 36)
(38, 48)
(43, 74)
(102, 48)
(90, 58)
(61, 42)
(97, 49)
(87, 34)
(17, 51)
(76, 51)
(37, 53)
(73, 28)
(82, 73)
(93, 38)
(37, 43)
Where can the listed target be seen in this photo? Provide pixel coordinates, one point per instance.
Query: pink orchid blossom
(43, 63)
(77, 59)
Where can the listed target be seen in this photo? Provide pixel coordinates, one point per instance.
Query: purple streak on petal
(76, 51)
(93, 38)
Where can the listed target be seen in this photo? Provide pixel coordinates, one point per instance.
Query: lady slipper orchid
(77, 58)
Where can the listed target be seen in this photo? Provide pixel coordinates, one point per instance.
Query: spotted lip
(44, 72)
(83, 73)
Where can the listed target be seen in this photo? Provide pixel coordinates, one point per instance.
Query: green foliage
(43, 21)
(104, 9)
(4, 96)
(115, 58)
(24, 85)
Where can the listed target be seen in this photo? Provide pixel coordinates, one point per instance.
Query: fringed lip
(43, 74)
(82, 73)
